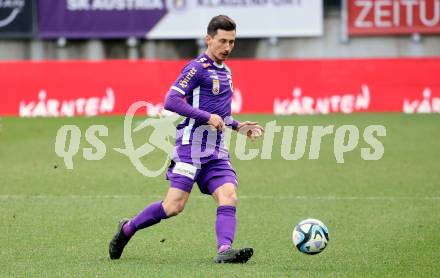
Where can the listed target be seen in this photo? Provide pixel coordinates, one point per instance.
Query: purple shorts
(211, 176)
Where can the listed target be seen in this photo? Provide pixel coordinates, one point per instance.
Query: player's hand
(251, 129)
(217, 122)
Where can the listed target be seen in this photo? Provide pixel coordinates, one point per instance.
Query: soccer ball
(310, 236)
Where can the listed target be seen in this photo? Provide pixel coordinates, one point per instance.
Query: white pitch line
(259, 197)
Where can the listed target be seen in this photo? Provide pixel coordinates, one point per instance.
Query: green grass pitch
(383, 216)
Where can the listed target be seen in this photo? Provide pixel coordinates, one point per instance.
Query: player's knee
(173, 208)
(228, 198)
(233, 198)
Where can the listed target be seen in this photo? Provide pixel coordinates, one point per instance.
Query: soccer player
(202, 94)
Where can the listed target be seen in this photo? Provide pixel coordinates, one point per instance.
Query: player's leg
(226, 198)
(175, 201)
(172, 205)
(218, 179)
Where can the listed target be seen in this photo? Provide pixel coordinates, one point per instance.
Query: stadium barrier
(282, 87)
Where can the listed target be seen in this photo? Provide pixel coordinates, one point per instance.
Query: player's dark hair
(222, 22)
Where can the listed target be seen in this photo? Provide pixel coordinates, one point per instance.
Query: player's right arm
(183, 87)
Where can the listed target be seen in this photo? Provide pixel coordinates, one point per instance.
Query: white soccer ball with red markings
(310, 236)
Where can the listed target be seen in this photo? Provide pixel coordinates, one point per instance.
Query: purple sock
(225, 226)
(151, 215)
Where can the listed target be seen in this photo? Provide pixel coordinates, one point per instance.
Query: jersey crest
(215, 86)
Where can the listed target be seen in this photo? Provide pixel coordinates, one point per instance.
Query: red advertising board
(282, 87)
(385, 17)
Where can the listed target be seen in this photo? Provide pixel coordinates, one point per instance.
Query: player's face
(220, 46)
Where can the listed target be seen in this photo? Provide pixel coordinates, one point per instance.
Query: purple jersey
(207, 86)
